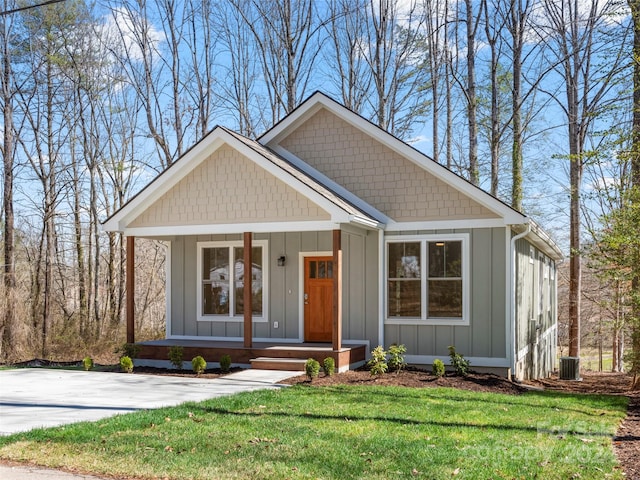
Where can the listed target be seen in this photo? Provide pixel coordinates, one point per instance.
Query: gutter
(512, 295)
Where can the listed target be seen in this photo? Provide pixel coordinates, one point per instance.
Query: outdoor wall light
(281, 260)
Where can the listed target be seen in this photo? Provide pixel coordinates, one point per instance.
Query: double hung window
(222, 280)
(427, 279)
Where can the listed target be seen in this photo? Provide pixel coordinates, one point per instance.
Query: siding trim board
(445, 224)
(167, 283)
(233, 228)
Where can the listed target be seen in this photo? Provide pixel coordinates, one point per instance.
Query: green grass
(344, 432)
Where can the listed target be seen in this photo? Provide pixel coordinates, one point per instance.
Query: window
(221, 279)
(427, 279)
(445, 279)
(405, 284)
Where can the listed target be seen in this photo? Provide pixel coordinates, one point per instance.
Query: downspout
(512, 296)
(381, 287)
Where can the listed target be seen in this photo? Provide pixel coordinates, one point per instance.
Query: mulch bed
(417, 379)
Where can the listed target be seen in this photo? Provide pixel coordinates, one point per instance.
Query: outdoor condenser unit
(570, 368)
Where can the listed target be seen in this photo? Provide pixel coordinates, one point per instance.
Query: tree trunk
(517, 32)
(635, 182)
(7, 325)
(472, 101)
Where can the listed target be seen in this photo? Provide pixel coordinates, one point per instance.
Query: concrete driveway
(32, 398)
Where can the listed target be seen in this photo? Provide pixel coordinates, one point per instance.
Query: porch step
(271, 363)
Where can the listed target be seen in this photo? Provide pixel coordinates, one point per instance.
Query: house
(355, 239)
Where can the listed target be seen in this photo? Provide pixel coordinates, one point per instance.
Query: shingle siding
(389, 182)
(229, 188)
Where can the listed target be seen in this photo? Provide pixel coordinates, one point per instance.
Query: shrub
(225, 363)
(329, 366)
(130, 350)
(438, 368)
(176, 356)
(378, 363)
(396, 357)
(87, 363)
(458, 362)
(312, 368)
(126, 364)
(198, 364)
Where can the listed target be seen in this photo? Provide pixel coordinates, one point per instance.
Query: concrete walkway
(32, 398)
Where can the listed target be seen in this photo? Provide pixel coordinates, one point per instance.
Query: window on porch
(222, 279)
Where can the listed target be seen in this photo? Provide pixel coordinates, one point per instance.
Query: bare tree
(8, 320)
(471, 20)
(138, 51)
(346, 29)
(285, 33)
(393, 56)
(575, 33)
(239, 89)
(201, 82)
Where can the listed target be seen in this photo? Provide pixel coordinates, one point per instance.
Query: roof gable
(227, 187)
(171, 199)
(401, 189)
(346, 126)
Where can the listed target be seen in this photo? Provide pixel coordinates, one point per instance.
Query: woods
(536, 101)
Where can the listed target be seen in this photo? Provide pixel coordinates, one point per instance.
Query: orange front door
(318, 299)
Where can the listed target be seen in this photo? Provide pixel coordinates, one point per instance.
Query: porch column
(131, 288)
(337, 290)
(248, 301)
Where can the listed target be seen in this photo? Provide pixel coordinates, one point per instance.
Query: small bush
(130, 350)
(378, 363)
(198, 364)
(329, 366)
(438, 368)
(126, 364)
(396, 357)
(225, 363)
(87, 363)
(176, 356)
(458, 362)
(312, 368)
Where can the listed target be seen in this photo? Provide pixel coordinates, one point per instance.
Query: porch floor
(349, 356)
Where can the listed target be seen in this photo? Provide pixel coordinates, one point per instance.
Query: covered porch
(265, 355)
(251, 350)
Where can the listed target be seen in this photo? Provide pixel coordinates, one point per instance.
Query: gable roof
(319, 100)
(342, 205)
(340, 211)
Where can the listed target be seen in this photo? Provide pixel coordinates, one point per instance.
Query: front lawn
(344, 432)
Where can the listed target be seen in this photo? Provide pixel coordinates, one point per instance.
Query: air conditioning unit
(570, 368)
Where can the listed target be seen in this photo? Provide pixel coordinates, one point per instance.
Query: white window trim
(265, 282)
(466, 279)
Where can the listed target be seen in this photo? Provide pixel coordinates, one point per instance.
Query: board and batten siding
(360, 284)
(360, 273)
(535, 312)
(485, 336)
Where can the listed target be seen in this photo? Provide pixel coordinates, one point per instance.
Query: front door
(318, 299)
